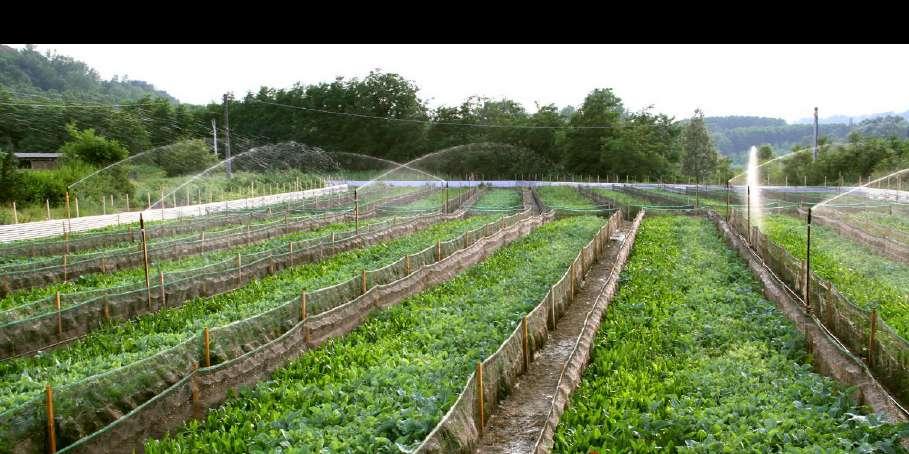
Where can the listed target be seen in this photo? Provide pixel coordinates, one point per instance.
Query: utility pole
(214, 134)
(227, 133)
(815, 134)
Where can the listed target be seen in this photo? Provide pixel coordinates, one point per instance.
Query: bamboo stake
(103, 205)
(161, 288)
(480, 399)
(148, 199)
(239, 270)
(525, 344)
(363, 281)
(65, 252)
(206, 343)
(51, 426)
(871, 337)
(59, 315)
(145, 259)
(76, 199)
(15, 214)
(47, 206)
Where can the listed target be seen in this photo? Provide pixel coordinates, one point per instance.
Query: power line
(409, 120)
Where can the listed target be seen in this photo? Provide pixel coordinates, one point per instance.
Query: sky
(783, 81)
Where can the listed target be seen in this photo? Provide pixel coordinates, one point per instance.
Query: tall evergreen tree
(699, 157)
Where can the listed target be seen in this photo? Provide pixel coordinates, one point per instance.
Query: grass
(565, 198)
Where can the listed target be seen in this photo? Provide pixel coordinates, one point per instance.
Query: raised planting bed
(158, 348)
(692, 358)
(383, 387)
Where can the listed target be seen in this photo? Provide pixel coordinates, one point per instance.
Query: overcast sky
(784, 81)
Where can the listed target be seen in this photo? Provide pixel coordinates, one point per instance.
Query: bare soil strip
(518, 421)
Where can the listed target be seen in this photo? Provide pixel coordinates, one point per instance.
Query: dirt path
(518, 421)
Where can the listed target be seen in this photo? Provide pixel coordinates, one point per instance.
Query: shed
(38, 160)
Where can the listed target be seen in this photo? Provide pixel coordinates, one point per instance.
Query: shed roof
(38, 155)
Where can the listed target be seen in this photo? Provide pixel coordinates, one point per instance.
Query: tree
(765, 153)
(699, 158)
(185, 157)
(10, 183)
(92, 148)
(596, 122)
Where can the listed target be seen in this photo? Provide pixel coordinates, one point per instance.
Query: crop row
(123, 343)
(214, 226)
(498, 200)
(691, 358)
(864, 277)
(18, 304)
(383, 387)
(566, 198)
(117, 233)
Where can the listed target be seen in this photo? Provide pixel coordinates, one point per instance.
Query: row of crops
(117, 345)
(721, 369)
(691, 358)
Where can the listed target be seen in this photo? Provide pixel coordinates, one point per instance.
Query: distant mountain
(734, 135)
(845, 119)
(28, 73)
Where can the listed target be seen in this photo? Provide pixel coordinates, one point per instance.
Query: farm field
(383, 387)
(119, 344)
(724, 370)
(435, 201)
(620, 197)
(864, 277)
(136, 275)
(498, 200)
(566, 198)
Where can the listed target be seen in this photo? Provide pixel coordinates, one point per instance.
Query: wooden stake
(47, 206)
(67, 206)
(65, 252)
(872, 336)
(103, 205)
(161, 287)
(145, 259)
(51, 425)
(291, 255)
(148, 199)
(363, 281)
(303, 314)
(407, 265)
(480, 399)
(15, 214)
(59, 315)
(239, 269)
(76, 199)
(207, 347)
(438, 250)
(525, 345)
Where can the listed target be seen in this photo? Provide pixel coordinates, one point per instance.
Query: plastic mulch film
(461, 427)
(888, 359)
(143, 398)
(77, 318)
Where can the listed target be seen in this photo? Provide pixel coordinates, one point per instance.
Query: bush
(185, 157)
(92, 148)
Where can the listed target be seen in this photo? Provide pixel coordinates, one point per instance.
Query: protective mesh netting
(460, 429)
(887, 356)
(145, 396)
(40, 272)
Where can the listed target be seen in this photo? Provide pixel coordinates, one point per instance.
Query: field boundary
(831, 357)
(462, 426)
(572, 372)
